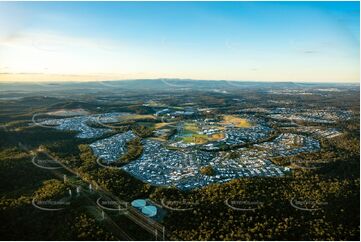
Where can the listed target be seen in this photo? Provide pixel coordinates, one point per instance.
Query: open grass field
(161, 125)
(137, 117)
(154, 104)
(215, 137)
(196, 138)
(236, 121)
(202, 138)
(191, 135)
(192, 127)
(69, 112)
(158, 139)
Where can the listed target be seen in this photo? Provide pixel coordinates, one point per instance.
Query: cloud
(55, 42)
(310, 51)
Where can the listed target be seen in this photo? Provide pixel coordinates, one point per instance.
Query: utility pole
(163, 233)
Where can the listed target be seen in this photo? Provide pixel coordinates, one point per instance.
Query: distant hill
(158, 84)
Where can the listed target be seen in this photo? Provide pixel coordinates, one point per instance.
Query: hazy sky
(261, 41)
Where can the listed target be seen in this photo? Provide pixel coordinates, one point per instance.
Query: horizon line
(178, 79)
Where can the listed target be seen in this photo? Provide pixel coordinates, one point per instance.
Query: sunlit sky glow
(259, 41)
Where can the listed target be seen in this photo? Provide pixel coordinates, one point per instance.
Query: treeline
(207, 170)
(142, 131)
(22, 221)
(273, 217)
(34, 136)
(18, 174)
(134, 151)
(115, 181)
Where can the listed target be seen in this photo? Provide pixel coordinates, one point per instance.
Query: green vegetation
(115, 181)
(51, 189)
(274, 218)
(332, 189)
(138, 117)
(234, 155)
(331, 186)
(142, 131)
(86, 228)
(191, 127)
(190, 134)
(134, 151)
(195, 138)
(18, 175)
(207, 170)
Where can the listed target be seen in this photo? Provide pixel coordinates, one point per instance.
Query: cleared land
(137, 117)
(192, 127)
(69, 112)
(154, 104)
(236, 121)
(161, 125)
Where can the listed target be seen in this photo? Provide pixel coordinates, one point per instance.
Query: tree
(134, 151)
(207, 170)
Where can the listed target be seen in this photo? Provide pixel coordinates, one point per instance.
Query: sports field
(191, 135)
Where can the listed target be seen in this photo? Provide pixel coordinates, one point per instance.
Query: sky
(245, 41)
